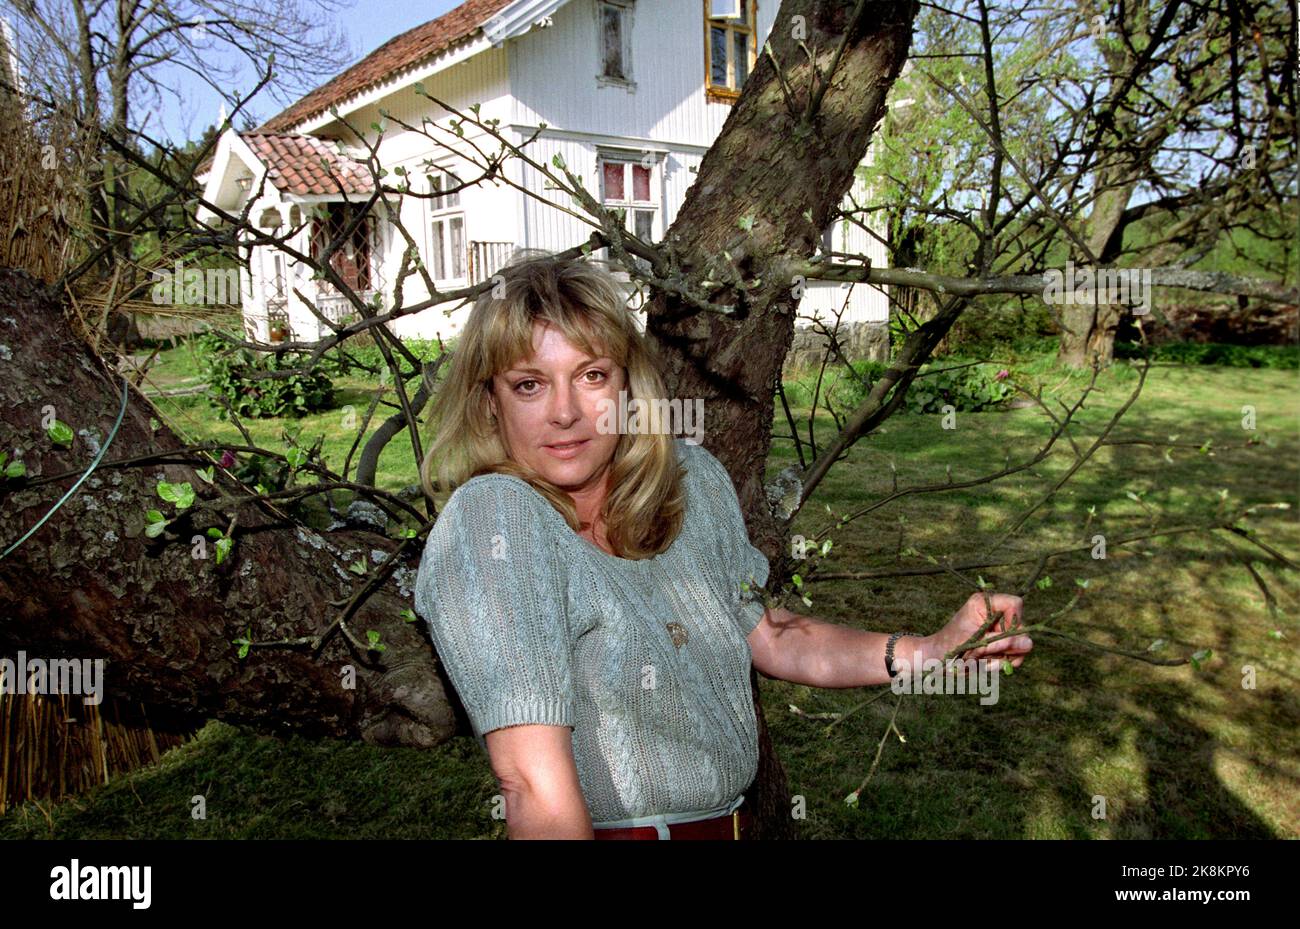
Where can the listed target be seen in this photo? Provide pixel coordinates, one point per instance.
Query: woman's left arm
(807, 650)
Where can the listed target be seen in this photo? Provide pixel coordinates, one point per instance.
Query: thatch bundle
(56, 745)
(42, 189)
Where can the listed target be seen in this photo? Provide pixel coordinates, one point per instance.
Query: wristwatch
(889, 650)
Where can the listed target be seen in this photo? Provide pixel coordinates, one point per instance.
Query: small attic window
(615, 44)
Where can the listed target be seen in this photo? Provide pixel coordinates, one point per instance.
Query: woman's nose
(564, 407)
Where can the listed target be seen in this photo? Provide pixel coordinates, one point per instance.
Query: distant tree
(1026, 136)
(114, 64)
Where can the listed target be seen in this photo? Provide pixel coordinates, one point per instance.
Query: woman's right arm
(538, 777)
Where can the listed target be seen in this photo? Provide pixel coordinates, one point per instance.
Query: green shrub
(1216, 353)
(988, 329)
(362, 350)
(968, 386)
(231, 375)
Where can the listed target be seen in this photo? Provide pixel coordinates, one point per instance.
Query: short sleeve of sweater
(745, 564)
(491, 590)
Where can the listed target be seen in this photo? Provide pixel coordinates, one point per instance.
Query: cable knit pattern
(535, 624)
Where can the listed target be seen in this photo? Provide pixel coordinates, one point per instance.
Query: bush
(968, 386)
(1216, 353)
(989, 329)
(231, 374)
(364, 351)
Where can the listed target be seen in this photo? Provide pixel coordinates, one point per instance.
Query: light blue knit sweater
(535, 624)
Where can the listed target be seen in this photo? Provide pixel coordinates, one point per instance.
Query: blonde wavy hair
(645, 507)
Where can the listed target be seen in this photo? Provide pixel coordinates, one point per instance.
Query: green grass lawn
(1174, 752)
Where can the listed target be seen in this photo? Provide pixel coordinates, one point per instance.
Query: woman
(593, 593)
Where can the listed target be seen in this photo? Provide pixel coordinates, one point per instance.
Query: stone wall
(858, 342)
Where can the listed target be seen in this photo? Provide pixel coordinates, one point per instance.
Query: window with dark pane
(612, 40)
(351, 259)
(730, 42)
(718, 56)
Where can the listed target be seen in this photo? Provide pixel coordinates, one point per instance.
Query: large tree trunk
(90, 584)
(762, 166)
(1088, 332)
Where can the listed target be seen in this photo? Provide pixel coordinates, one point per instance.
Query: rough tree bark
(1088, 332)
(90, 584)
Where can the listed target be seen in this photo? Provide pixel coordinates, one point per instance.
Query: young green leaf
(60, 433)
(180, 494)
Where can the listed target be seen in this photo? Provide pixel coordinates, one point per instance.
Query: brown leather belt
(733, 826)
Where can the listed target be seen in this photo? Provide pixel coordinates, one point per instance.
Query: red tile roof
(402, 53)
(302, 164)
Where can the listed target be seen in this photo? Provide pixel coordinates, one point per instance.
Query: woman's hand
(973, 614)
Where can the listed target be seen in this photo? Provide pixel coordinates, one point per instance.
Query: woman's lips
(567, 449)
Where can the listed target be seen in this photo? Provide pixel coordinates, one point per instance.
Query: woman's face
(553, 400)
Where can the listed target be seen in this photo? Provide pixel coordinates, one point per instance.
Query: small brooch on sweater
(678, 632)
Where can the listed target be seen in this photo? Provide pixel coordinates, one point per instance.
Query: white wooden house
(632, 94)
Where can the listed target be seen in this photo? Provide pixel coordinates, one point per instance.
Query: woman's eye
(521, 384)
(597, 371)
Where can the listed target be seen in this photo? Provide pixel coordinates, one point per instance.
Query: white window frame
(654, 205)
(625, 9)
(444, 210)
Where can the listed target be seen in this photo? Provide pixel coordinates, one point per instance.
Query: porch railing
(486, 258)
(334, 306)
